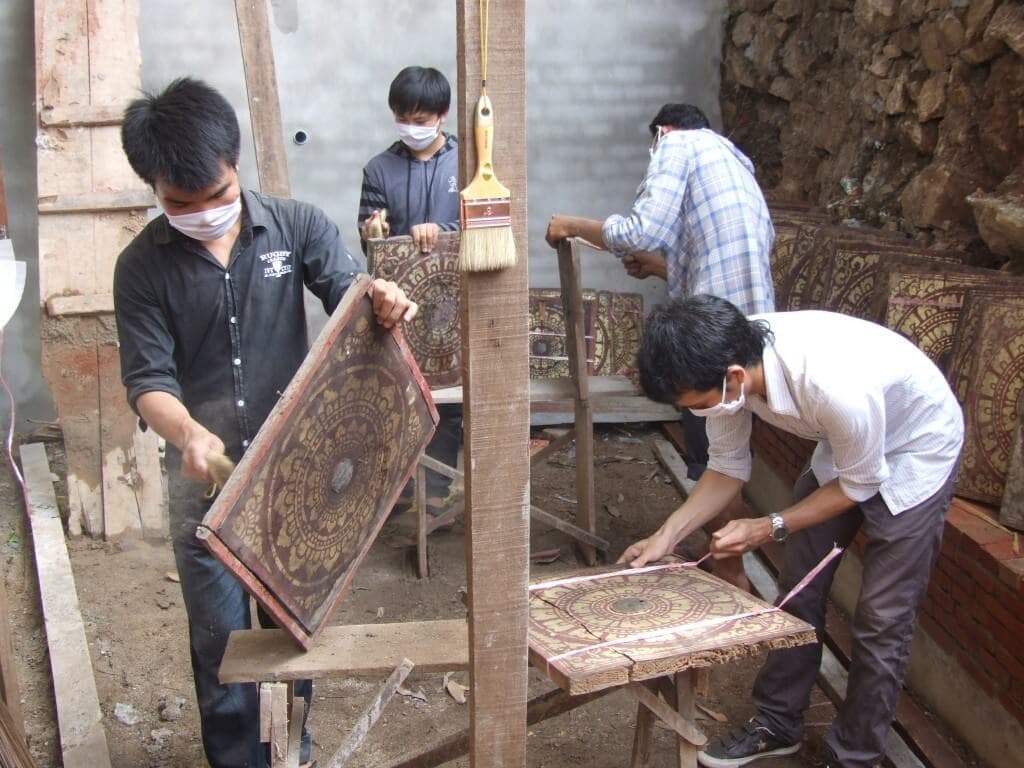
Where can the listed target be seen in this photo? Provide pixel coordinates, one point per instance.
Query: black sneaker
(744, 744)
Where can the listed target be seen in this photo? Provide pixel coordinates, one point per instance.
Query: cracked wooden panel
(986, 373)
(308, 498)
(715, 622)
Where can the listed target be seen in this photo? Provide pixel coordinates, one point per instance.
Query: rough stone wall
(905, 115)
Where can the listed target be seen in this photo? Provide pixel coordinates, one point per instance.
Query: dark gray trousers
(898, 559)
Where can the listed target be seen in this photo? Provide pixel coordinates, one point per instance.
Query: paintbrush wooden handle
(483, 132)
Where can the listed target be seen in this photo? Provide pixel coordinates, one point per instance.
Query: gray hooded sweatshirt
(413, 191)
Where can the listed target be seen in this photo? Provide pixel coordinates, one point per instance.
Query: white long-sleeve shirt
(884, 417)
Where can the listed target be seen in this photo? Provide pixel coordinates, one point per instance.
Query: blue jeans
(216, 605)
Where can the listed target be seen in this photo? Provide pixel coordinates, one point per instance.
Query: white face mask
(211, 224)
(723, 408)
(418, 137)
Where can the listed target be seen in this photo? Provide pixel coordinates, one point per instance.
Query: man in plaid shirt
(699, 222)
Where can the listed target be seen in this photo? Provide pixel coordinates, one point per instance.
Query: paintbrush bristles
(484, 249)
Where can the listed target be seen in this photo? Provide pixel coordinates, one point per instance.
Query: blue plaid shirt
(701, 207)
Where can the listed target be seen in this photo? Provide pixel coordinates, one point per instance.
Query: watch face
(779, 530)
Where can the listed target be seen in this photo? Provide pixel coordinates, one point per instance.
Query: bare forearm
(561, 227)
(167, 416)
(710, 495)
(170, 419)
(825, 503)
(740, 536)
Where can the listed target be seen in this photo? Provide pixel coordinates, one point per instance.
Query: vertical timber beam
(88, 67)
(264, 105)
(495, 379)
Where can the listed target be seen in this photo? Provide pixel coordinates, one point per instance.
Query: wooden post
(497, 409)
(91, 204)
(575, 332)
(261, 87)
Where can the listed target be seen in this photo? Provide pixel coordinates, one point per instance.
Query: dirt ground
(136, 629)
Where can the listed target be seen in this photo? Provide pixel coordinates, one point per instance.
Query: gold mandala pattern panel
(572, 619)
(925, 306)
(855, 272)
(618, 328)
(802, 273)
(309, 496)
(432, 281)
(987, 375)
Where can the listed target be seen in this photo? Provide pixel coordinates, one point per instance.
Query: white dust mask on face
(417, 137)
(723, 408)
(211, 224)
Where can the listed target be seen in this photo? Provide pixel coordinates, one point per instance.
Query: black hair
(416, 89)
(682, 117)
(689, 344)
(181, 136)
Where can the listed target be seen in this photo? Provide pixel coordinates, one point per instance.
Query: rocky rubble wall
(904, 115)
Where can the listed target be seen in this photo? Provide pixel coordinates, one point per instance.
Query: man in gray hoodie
(699, 222)
(417, 178)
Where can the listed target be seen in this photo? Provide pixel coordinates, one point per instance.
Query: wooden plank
(673, 464)
(257, 655)
(685, 690)
(370, 715)
(684, 728)
(133, 501)
(296, 714)
(832, 675)
(642, 735)
(83, 742)
(554, 446)
(79, 115)
(278, 724)
(583, 536)
(97, 202)
(583, 419)
(495, 360)
(264, 105)
(422, 567)
(543, 707)
(98, 304)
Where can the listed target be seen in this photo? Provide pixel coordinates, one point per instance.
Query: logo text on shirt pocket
(276, 263)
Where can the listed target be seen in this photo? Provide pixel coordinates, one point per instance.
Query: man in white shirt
(889, 434)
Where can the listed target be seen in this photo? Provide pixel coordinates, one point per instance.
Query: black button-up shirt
(226, 342)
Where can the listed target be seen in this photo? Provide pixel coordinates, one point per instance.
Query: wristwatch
(779, 529)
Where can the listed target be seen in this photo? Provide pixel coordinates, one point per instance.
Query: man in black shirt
(209, 306)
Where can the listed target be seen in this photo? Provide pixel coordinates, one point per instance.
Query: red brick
(1004, 549)
(1007, 629)
(971, 551)
(938, 634)
(1013, 666)
(985, 578)
(1013, 707)
(1011, 573)
(994, 669)
(963, 591)
(940, 582)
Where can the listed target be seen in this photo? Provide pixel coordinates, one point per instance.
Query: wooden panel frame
(239, 549)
